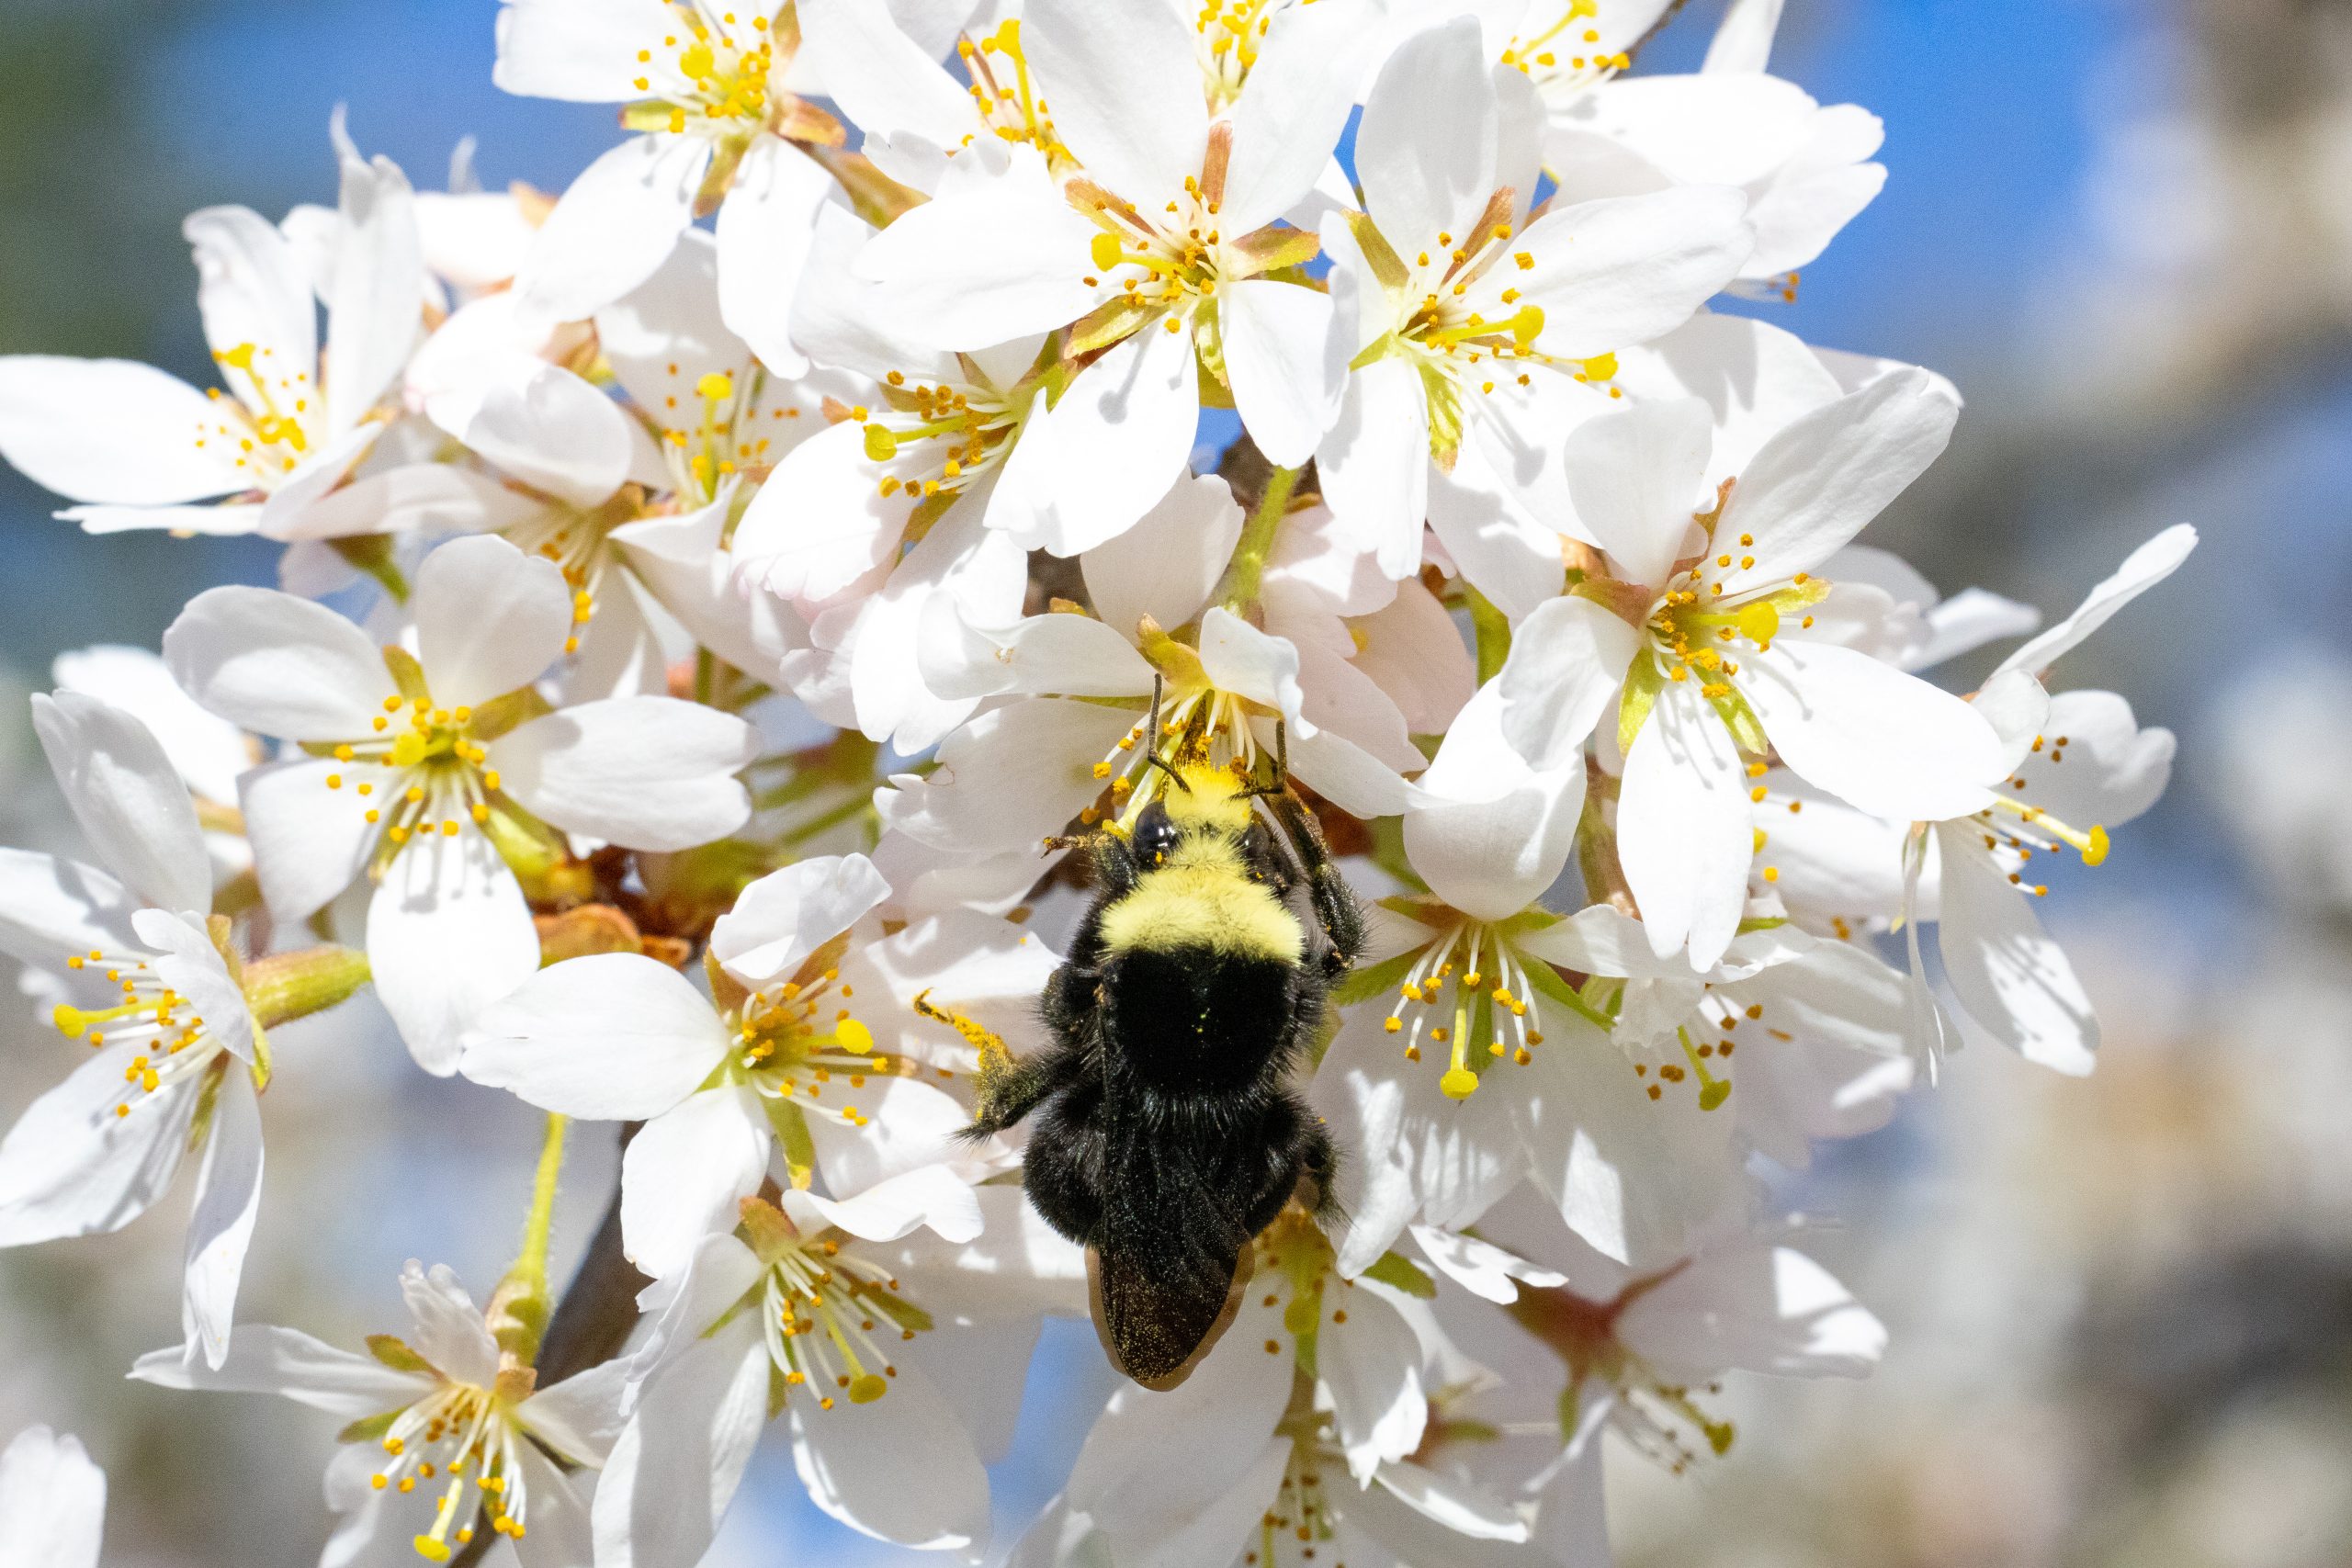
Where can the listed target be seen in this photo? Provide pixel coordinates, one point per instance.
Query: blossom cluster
(700, 645)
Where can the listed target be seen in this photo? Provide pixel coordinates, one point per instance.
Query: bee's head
(1204, 799)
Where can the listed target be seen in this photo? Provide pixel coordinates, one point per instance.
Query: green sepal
(394, 1352)
(370, 1428)
(1644, 681)
(791, 1130)
(496, 717)
(1547, 980)
(1378, 253)
(1398, 1272)
(1362, 984)
(1746, 728)
(407, 674)
(1110, 322)
(1272, 249)
(1445, 416)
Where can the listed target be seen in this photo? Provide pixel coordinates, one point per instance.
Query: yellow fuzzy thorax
(1210, 797)
(1202, 898)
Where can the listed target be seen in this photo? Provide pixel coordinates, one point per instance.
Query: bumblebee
(1167, 1134)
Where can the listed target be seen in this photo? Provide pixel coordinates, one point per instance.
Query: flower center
(795, 1039)
(265, 420)
(433, 763)
(1564, 58)
(725, 74)
(1466, 991)
(1659, 1417)
(175, 1046)
(1004, 92)
(461, 1440)
(1231, 34)
(822, 1307)
(940, 438)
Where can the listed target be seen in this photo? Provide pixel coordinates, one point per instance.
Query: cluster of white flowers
(630, 563)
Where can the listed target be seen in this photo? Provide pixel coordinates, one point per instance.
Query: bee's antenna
(1151, 757)
(1280, 781)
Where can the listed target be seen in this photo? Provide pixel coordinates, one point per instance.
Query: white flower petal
(613, 227)
(449, 933)
(1126, 93)
(449, 1328)
(53, 909)
(1012, 775)
(1106, 454)
(1465, 1509)
(1565, 663)
(374, 319)
(1284, 367)
(685, 1172)
(1293, 106)
(309, 840)
(277, 665)
(1636, 478)
(1683, 830)
(71, 1166)
(2014, 981)
(293, 1366)
(1241, 659)
(206, 750)
(1425, 150)
(252, 292)
(2141, 571)
(127, 797)
(220, 1225)
(1881, 740)
(539, 423)
(646, 772)
(1620, 271)
(902, 1125)
(1813, 486)
(1757, 1306)
(764, 228)
(188, 964)
(584, 51)
(113, 431)
(55, 1500)
(1167, 564)
(899, 1468)
(1480, 1266)
(787, 915)
(1208, 1535)
(488, 619)
(1020, 259)
(882, 79)
(673, 1472)
(610, 1037)
(1371, 1364)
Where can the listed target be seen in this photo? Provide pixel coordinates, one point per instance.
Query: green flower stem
(1247, 571)
(518, 1310)
(1493, 629)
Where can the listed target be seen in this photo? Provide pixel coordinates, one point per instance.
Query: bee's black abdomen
(1194, 1020)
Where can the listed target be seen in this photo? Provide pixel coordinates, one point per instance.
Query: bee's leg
(1336, 909)
(1007, 1089)
(1065, 1170)
(1299, 1162)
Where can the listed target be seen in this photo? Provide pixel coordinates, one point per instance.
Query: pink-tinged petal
(685, 1172)
(1166, 566)
(1414, 652)
(645, 773)
(277, 665)
(1683, 831)
(113, 431)
(127, 797)
(612, 1036)
(488, 619)
(615, 227)
(1881, 740)
(449, 933)
(1126, 93)
(1636, 477)
(1813, 486)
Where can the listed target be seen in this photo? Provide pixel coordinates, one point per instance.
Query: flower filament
(268, 423)
(175, 1047)
(462, 1442)
(939, 437)
(822, 1308)
(1659, 1417)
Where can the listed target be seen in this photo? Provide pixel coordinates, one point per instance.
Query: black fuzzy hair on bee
(1167, 1134)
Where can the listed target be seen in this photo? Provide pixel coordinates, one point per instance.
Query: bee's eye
(1155, 835)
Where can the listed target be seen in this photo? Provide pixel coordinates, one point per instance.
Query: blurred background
(2123, 1307)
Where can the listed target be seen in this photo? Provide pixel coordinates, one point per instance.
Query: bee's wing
(1159, 1310)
